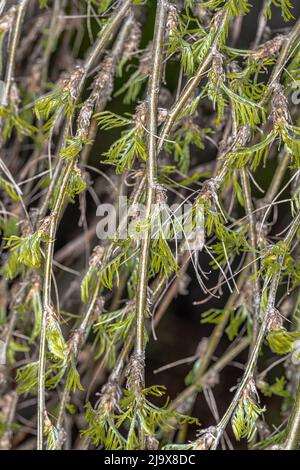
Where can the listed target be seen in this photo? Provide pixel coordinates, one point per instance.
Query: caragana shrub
(165, 106)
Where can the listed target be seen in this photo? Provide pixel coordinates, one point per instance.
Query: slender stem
(9, 74)
(54, 219)
(94, 54)
(47, 302)
(84, 328)
(262, 23)
(213, 342)
(192, 84)
(255, 352)
(54, 31)
(151, 168)
(288, 43)
(253, 240)
(292, 439)
(277, 178)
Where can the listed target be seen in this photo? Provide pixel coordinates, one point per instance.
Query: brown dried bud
(96, 256)
(7, 20)
(233, 67)
(151, 443)
(36, 284)
(217, 20)
(71, 85)
(145, 61)
(25, 228)
(206, 439)
(84, 119)
(211, 379)
(132, 43)
(162, 115)
(8, 404)
(140, 117)
(14, 96)
(209, 191)
(135, 372)
(161, 197)
(245, 297)
(51, 315)
(172, 20)
(104, 82)
(75, 341)
(34, 79)
(99, 306)
(275, 321)
(279, 106)
(243, 136)
(269, 48)
(202, 13)
(217, 66)
(44, 225)
(109, 398)
(250, 390)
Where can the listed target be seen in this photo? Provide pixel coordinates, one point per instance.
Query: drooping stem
(151, 168)
(9, 73)
(292, 439)
(284, 54)
(256, 349)
(94, 55)
(253, 239)
(212, 344)
(192, 84)
(55, 216)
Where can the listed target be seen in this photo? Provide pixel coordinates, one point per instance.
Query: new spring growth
(247, 413)
(279, 339)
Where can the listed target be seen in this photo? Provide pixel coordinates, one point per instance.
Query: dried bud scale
(172, 20)
(269, 48)
(205, 439)
(135, 372)
(103, 85)
(6, 21)
(275, 321)
(14, 96)
(133, 40)
(250, 391)
(161, 197)
(145, 61)
(217, 67)
(84, 119)
(151, 443)
(280, 114)
(109, 399)
(97, 256)
(206, 104)
(71, 85)
(140, 116)
(202, 13)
